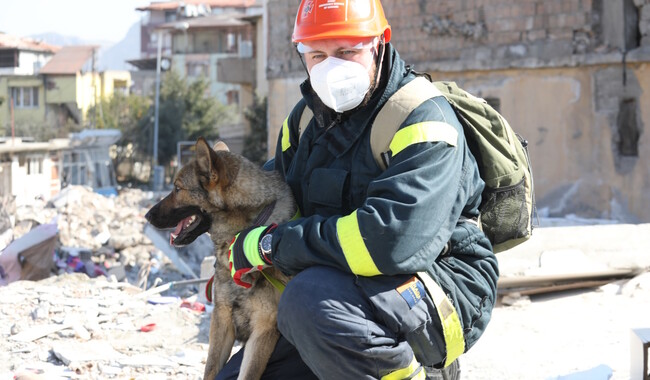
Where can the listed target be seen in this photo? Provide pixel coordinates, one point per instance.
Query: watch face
(265, 243)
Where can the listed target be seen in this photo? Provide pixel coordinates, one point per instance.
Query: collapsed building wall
(572, 76)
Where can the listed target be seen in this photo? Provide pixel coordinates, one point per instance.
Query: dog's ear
(204, 156)
(214, 168)
(220, 145)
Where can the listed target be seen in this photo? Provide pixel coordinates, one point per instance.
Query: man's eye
(348, 52)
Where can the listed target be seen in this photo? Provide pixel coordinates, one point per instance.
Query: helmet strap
(302, 60)
(380, 58)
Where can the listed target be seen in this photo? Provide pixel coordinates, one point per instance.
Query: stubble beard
(373, 85)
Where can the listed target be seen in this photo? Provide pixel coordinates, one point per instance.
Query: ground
(96, 326)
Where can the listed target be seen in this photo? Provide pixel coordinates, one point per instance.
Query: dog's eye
(177, 189)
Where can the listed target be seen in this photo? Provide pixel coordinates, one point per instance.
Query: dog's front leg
(257, 352)
(222, 339)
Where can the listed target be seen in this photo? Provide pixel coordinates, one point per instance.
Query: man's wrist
(265, 245)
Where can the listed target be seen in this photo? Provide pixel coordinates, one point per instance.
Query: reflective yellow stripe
(406, 373)
(432, 131)
(355, 250)
(286, 142)
(296, 215)
(451, 327)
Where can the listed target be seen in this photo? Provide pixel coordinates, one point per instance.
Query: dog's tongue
(178, 229)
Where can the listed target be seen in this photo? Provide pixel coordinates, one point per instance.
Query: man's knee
(311, 297)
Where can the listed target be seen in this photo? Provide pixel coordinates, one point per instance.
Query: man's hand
(245, 254)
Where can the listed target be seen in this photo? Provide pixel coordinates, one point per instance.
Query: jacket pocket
(326, 187)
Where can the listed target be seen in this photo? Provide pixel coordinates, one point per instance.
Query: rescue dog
(222, 193)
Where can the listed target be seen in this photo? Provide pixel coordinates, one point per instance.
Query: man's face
(360, 50)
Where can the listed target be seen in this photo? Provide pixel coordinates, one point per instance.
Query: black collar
(263, 217)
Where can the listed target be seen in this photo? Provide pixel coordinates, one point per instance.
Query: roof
(170, 5)
(144, 63)
(22, 43)
(69, 60)
(213, 21)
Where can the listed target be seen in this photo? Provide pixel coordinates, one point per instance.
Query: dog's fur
(226, 193)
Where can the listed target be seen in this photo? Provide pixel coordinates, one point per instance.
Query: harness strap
(275, 282)
(451, 326)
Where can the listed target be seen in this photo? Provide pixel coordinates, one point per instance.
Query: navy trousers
(339, 326)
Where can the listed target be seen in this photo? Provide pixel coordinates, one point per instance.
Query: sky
(90, 20)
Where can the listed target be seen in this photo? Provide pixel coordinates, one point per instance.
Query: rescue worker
(356, 307)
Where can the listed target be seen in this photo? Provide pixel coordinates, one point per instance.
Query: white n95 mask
(341, 85)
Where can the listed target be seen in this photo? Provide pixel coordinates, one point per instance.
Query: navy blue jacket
(361, 219)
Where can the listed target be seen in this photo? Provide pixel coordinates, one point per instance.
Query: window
(34, 166)
(628, 128)
(232, 97)
(170, 16)
(197, 69)
(231, 43)
(120, 85)
(25, 97)
(9, 58)
(631, 21)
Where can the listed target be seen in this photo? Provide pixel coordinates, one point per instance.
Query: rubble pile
(75, 327)
(101, 235)
(91, 317)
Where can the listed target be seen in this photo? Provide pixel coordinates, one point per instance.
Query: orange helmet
(321, 19)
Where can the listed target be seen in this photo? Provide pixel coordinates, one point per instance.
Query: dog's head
(197, 194)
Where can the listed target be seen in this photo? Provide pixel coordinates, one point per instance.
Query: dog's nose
(149, 215)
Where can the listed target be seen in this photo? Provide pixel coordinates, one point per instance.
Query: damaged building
(571, 76)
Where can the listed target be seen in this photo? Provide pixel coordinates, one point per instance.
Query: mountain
(111, 56)
(57, 39)
(115, 56)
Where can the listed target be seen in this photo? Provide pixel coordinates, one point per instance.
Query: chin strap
(380, 58)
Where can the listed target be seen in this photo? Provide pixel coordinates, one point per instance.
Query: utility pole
(13, 130)
(157, 169)
(93, 73)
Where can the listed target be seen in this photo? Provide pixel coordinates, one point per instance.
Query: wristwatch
(265, 247)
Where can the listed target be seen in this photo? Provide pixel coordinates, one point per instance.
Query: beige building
(20, 61)
(43, 86)
(72, 85)
(571, 76)
(219, 40)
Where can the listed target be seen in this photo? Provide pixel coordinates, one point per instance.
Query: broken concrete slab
(69, 352)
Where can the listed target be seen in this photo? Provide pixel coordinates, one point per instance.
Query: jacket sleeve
(410, 210)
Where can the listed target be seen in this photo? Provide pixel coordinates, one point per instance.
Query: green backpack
(508, 200)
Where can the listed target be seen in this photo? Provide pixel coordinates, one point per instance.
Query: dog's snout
(151, 214)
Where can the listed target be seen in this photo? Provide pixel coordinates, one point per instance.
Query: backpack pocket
(505, 215)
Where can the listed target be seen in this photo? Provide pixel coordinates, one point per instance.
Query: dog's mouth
(188, 229)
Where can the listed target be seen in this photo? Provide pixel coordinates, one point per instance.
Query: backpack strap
(305, 118)
(393, 114)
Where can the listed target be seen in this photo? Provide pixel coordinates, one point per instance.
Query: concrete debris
(515, 300)
(92, 329)
(104, 236)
